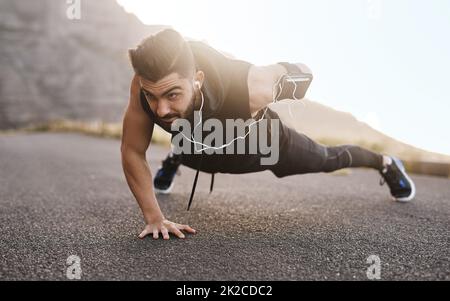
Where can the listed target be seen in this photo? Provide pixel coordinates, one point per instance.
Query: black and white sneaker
(401, 186)
(164, 179)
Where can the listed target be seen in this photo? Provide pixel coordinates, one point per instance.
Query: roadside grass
(96, 129)
(114, 131)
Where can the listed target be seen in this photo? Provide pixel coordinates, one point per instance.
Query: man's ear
(200, 77)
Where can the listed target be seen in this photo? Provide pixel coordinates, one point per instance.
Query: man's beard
(187, 114)
(190, 109)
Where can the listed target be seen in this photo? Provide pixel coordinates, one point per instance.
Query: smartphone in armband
(294, 83)
(294, 86)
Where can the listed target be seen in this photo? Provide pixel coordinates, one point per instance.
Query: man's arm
(136, 137)
(261, 80)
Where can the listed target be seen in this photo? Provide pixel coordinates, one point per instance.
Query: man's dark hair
(161, 54)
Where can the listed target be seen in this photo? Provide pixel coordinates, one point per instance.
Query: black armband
(294, 83)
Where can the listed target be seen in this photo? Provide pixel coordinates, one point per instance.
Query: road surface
(65, 194)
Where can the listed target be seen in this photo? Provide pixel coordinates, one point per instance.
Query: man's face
(170, 98)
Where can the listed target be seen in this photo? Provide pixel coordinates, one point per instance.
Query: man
(173, 78)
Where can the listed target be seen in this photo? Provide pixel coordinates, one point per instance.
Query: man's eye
(173, 95)
(148, 96)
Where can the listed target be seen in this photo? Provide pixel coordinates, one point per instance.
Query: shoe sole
(413, 186)
(166, 191)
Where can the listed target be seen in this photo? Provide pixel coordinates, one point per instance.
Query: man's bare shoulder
(261, 80)
(137, 126)
(135, 91)
(135, 112)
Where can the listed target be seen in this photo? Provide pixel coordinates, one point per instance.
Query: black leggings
(299, 154)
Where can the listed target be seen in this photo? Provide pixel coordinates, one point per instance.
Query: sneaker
(401, 186)
(164, 179)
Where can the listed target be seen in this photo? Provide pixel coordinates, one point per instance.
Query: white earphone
(197, 84)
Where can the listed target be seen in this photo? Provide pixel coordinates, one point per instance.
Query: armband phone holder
(294, 84)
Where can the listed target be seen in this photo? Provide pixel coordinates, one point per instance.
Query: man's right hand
(165, 227)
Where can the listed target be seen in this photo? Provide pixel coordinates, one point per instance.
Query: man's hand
(165, 227)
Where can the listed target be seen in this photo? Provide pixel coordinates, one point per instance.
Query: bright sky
(386, 62)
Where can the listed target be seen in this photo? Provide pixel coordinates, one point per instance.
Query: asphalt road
(65, 194)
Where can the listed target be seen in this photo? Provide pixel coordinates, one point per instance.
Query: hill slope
(54, 67)
(334, 127)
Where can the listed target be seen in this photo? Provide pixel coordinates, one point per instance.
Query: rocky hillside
(334, 127)
(57, 68)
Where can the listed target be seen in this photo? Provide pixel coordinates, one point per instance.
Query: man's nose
(163, 109)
